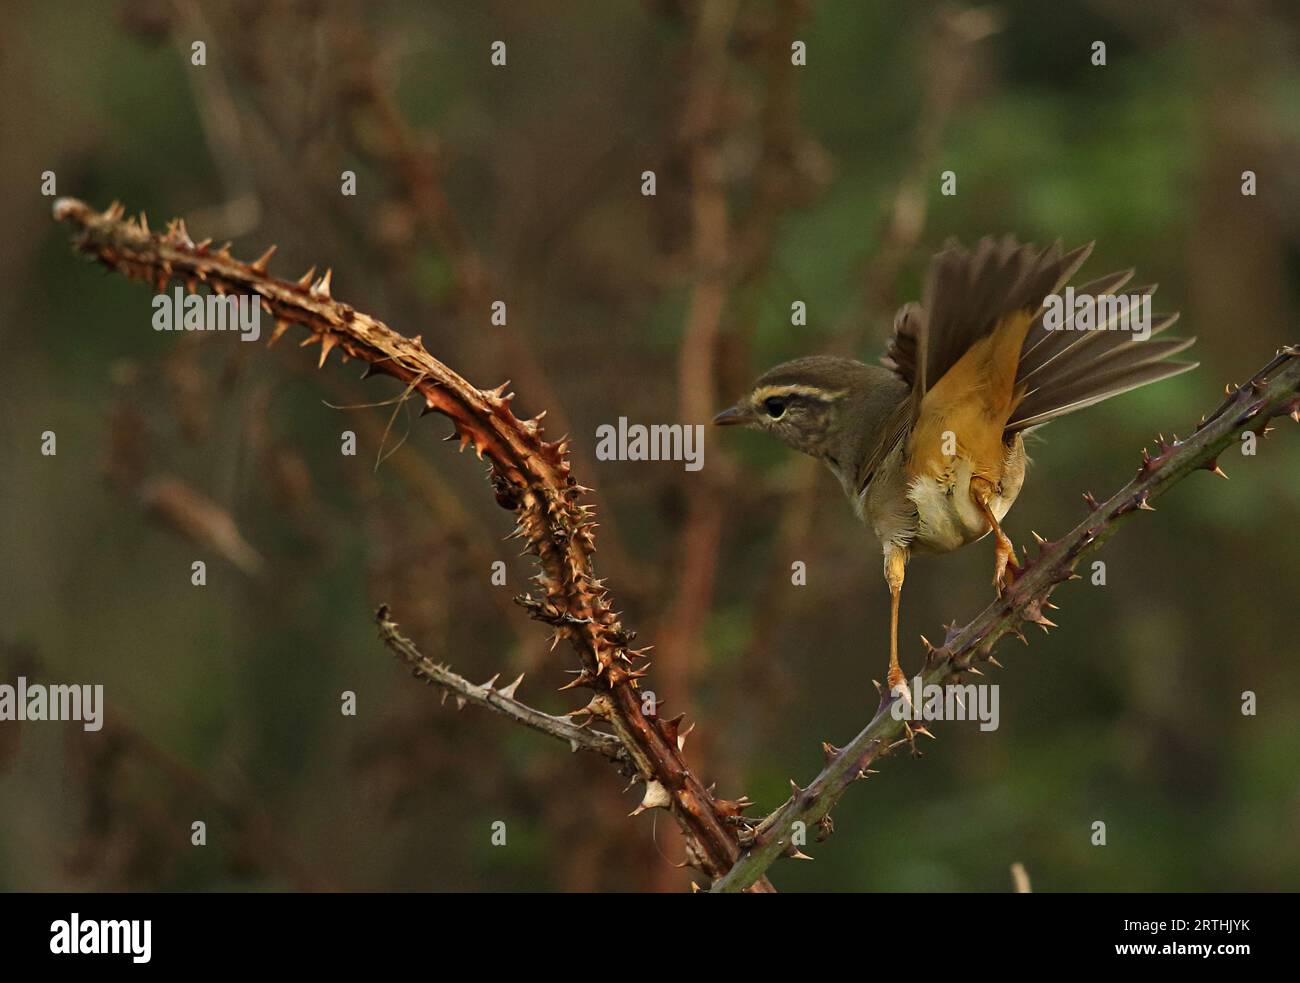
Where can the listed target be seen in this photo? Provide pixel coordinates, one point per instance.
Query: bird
(928, 446)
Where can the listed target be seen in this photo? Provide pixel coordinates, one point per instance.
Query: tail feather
(1065, 370)
(1092, 388)
(969, 292)
(1120, 348)
(1090, 347)
(1043, 345)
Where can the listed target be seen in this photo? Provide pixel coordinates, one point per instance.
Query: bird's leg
(1004, 553)
(895, 565)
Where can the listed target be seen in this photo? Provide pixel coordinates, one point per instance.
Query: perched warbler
(930, 447)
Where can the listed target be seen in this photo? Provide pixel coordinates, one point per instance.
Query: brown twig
(499, 699)
(531, 476)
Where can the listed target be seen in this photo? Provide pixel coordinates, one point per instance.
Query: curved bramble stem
(530, 476)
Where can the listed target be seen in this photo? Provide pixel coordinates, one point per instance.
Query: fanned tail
(1060, 370)
(1064, 370)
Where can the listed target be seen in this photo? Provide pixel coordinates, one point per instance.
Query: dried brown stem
(531, 476)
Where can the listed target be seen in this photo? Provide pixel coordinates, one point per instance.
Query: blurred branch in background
(132, 838)
(947, 66)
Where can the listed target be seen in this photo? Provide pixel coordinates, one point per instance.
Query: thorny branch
(1271, 393)
(501, 699)
(530, 476)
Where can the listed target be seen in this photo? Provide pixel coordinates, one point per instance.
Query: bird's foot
(897, 683)
(1005, 568)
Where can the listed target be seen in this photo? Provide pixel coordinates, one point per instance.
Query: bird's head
(821, 405)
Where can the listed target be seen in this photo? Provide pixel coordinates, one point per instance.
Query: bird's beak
(733, 416)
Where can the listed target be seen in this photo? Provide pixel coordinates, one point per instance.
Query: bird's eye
(775, 407)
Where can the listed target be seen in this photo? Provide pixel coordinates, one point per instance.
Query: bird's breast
(946, 514)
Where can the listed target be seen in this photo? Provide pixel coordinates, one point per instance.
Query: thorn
(656, 797)
(668, 727)
(509, 691)
(1144, 505)
(1037, 538)
(488, 684)
(1090, 501)
(259, 264)
(305, 279)
(681, 738)
(327, 344)
(995, 662)
(321, 288)
(281, 327)
(799, 854)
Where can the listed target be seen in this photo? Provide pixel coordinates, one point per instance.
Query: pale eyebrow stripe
(797, 389)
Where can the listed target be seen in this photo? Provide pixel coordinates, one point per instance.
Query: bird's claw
(897, 683)
(1005, 568)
